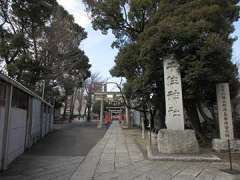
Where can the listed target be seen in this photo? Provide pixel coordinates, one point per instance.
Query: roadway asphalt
(58, 155)
(76, 139)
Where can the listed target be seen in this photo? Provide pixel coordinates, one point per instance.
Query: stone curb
(186, 158)
(220, 176)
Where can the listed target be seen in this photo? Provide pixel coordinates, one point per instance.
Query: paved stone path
(117, 157)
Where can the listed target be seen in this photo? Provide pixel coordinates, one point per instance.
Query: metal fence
(24, 119)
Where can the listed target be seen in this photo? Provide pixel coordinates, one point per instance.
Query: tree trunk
(191, 108)
(145, 121)
(203, 114)
(152, 115)
(162, 116)
(80, 98)
(89, 114)
(71, 109)
(212, 121)
(34, 42)
(85, 112)
(65, 108)
(73, 100)
(89, 105)
(217, 133)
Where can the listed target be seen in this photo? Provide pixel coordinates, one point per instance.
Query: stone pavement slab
(117, 157)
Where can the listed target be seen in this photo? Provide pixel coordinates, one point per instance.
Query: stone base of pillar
(177, 142)
(153, 137)
(100, 124)
(221, 145)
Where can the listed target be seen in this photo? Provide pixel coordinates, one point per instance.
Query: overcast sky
(98, 47)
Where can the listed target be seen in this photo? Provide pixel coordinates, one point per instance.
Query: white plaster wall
(2, 118)
(44, 124)
(16, 134)
(76, 106)
(48, 122)
(36, 120)
(136, 118)
(51, 119)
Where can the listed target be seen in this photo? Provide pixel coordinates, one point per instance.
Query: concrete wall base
(177, 142)
(221, 145)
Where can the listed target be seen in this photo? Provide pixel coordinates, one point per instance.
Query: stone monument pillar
(224, 111)
(173, 95)
(225, 120)
(143, 128)
(175, 139)
(127, 117)
(101, 113)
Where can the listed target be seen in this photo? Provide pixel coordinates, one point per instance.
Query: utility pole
(43, 89)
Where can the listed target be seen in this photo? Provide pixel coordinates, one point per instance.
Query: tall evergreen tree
(126, 19)
(40, 45)
(198, 35)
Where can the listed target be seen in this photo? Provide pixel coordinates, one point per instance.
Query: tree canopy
(196, 33)
(126, 19)
(39, 44)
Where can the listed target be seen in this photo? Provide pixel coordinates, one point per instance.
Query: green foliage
(196, 32)
(198, 35)
(125, 18)
(39, 42)
(22, 22)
